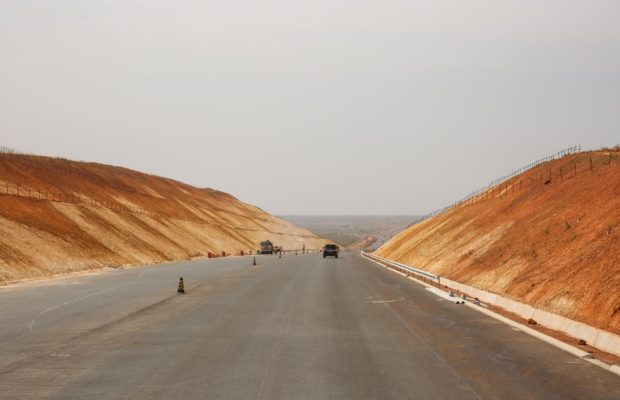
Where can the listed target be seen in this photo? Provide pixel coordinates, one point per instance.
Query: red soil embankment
(549, 237)
(59, 216)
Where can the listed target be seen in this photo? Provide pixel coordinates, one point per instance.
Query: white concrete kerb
(584, 355)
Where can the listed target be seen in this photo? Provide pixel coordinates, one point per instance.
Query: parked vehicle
(331, 250)
(266, 247)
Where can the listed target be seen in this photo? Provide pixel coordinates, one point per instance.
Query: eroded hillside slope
(59, 216)
(548, 237)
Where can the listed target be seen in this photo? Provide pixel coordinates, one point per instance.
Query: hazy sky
(312, 107)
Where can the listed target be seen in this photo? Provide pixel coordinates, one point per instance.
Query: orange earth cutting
(549, 237)
(59, 216)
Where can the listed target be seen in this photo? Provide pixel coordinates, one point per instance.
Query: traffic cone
(181, 288)
(254, 263)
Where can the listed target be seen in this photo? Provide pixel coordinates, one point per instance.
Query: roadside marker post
(181, 288)
(254, 262)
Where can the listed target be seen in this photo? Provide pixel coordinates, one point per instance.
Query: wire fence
(506, 185)
(7, 150)
(70, 168)
(7, 188)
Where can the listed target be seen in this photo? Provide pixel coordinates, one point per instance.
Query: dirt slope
(362, 243)
(549, 238)
(59, 216)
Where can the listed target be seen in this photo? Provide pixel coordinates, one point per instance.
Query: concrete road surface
(301, 327)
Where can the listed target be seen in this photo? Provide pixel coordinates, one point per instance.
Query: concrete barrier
(594, 337)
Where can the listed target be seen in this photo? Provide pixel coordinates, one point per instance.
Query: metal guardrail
(500, 180)
(402, 267)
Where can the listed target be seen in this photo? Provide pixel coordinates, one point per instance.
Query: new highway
(300, 327)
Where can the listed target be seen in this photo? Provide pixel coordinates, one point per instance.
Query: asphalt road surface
(301, 327)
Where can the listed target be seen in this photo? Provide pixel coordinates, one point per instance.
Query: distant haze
(348, 229)
(312, 107)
